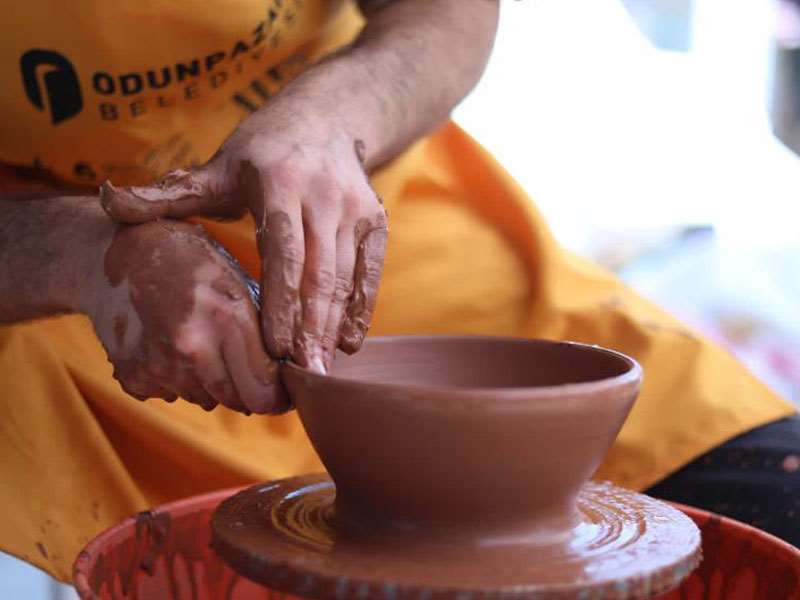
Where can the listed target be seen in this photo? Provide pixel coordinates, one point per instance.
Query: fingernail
(106, 191)
(316, 364)
(308, 353)
(279, 346)
(329, 357)
(352, 339)
(284, 347)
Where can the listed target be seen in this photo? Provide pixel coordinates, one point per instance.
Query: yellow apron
(79, 455)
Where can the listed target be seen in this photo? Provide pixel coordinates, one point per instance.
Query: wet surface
(286, 536)
(740, 563)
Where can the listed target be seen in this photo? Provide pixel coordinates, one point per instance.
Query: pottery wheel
(626, 546)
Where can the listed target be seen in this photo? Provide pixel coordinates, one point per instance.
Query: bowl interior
(479, 363)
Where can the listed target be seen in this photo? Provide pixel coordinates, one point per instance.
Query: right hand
(177, 318)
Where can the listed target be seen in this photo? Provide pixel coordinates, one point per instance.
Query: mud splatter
(42, 549)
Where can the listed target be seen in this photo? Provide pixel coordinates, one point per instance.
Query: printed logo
(52, 71)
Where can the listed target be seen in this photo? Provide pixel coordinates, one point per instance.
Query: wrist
(51, 251)
(79, 281)
(340, 98)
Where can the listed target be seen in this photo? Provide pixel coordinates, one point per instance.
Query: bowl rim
(631, 377)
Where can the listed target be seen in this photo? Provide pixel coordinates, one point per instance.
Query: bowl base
(625, 545)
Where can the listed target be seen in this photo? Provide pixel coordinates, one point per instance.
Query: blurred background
(661, 139)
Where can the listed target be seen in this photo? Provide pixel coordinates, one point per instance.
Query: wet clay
(319, 293)
(285, 535)
(179, 193)
(739, 562)
(320, 228)
(460, 465)
(179, 318)
(373, 236)
(470, 435)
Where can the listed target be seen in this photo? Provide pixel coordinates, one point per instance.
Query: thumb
(178, 194)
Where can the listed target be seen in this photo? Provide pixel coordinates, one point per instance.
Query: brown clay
(284, 535)
(739, 562)
(459, 465)
(472, 435)
(321, 233)
(179, 317)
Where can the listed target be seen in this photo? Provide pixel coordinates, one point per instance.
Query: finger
(177, 370)
(195, 362)
(316, 289)
(224, 392)
(279, 232)
(366, 278)
(212, 373)
(345, 267)
(179, 194)
(135, 381)
(283, 255)
(193, 392)
(141, 388)
(157, 389)
(166, 395)
(246, 363)
(251, 370)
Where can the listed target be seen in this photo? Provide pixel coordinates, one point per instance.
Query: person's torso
(128, 91)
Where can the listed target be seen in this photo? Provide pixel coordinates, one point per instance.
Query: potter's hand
(321, 229)
(176, 318)
(296, 164)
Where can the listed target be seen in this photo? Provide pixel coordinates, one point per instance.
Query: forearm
(413, 62)
(50, 251)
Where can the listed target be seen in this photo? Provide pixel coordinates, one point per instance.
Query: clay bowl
(476, 436)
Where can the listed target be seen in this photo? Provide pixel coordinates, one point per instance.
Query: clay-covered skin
(320, 228)
(298, 164)
(177, 318)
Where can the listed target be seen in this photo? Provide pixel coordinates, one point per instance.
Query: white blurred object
(785, 101)
(787, 27)
(746, 298)
(665, 22)
(21, 581)
(622, 144)
(610, 134)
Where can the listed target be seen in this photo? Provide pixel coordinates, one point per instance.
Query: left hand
(177, 317)
(321, 229)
